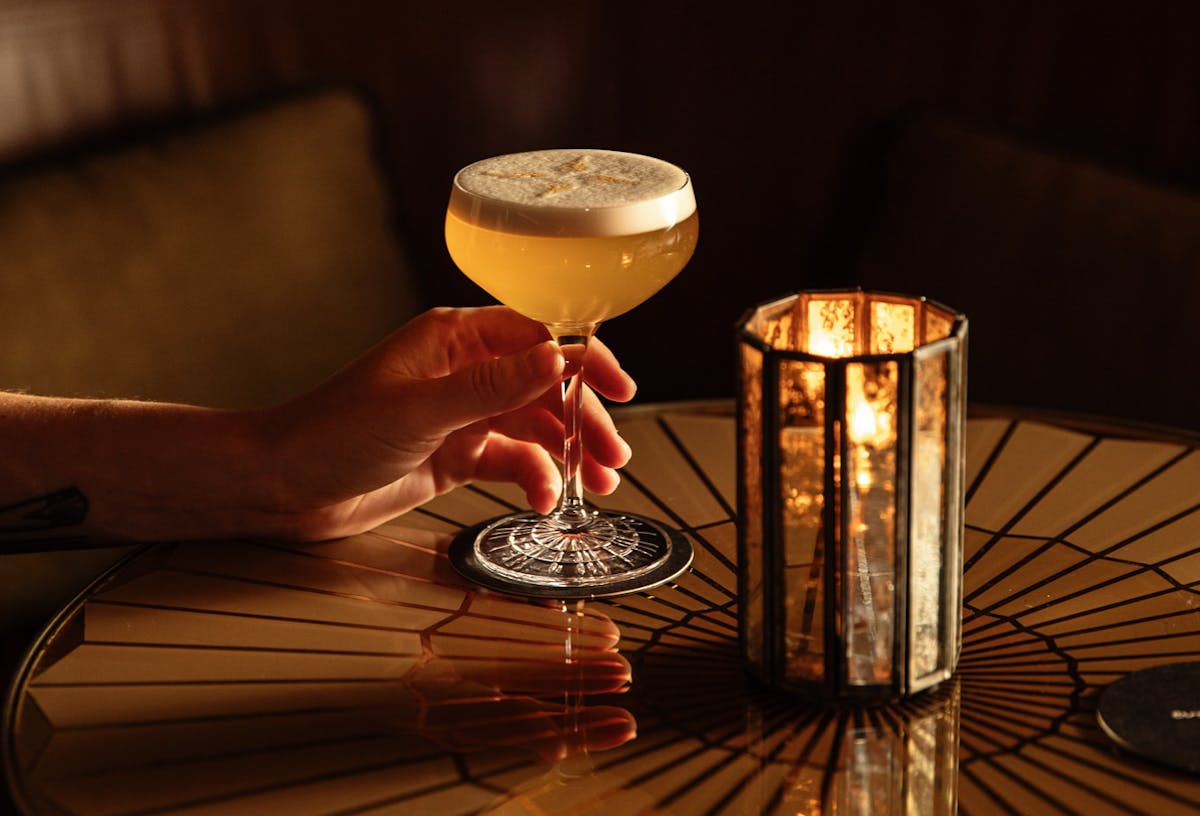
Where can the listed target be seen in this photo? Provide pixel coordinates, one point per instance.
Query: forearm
(132, 471)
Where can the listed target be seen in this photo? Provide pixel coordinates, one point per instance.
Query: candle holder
(851, 411)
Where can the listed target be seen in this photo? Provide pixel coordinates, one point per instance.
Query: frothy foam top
(572, 192)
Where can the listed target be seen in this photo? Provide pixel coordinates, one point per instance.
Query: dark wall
(780, 110)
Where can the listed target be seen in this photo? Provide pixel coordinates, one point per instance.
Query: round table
(363, 676)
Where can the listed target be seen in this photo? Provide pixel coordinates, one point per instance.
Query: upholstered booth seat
(230, 266)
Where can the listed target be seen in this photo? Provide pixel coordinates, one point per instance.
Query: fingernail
(632, 382)
(625, 446)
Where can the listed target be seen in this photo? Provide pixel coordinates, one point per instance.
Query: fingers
(472, 364)
(529, 466)
(533, 423)
(540, 425)
(482, 391)
(601, 440)
(442, 341)
(600, 437)
(598, 478)
(603, 372)
(604, 450)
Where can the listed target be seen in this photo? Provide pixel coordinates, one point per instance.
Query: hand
(454, 396)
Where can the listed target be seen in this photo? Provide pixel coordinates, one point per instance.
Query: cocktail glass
(571, 238)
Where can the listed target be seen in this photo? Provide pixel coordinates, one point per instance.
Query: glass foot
(546, 556)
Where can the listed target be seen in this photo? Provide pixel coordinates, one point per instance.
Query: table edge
(1098, 424)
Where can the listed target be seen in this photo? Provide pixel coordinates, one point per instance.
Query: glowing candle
(850, 490)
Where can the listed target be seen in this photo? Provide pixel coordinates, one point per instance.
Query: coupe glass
(571, 238)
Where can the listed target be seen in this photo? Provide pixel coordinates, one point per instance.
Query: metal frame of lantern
(807, 611)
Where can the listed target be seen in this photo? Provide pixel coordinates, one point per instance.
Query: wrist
(287, 490)
(165, 471)
(141, 471)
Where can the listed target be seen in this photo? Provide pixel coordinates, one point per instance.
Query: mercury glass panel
(870, 521)
(893, 327)
(831, 327)
(751, 434)
(802, 483)
(938, 324)
(927, 516)
(776, 323)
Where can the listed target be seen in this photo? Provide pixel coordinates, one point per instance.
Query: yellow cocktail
(570, 280)
(571, 236)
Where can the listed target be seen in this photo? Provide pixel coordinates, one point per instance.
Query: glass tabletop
(363, 676)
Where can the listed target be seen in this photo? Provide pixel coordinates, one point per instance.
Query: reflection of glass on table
(244, 674)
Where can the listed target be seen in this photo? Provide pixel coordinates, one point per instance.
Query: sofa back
(233, 264)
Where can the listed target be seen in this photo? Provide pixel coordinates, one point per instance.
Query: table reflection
(218, 673)
(364, 676)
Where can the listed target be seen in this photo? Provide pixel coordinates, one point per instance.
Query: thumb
(490, 388)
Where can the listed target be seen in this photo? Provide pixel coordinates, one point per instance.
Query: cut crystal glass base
(548, 556)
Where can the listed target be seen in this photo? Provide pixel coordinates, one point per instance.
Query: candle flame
(864, 424)
(870, 425)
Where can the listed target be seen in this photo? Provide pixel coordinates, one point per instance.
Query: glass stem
(573, 341)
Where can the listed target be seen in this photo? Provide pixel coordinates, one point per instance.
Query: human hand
(456, 395)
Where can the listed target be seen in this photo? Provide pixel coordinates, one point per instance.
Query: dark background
(781, 111)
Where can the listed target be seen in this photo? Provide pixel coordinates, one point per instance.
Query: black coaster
(1155, 713)
(463, 558)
